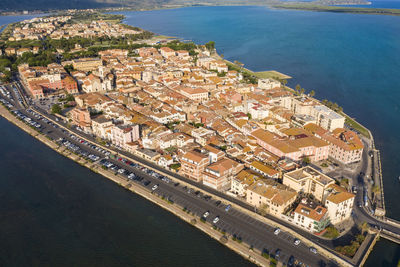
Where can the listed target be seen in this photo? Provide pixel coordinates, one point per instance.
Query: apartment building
(345, 146)
(123, 134)
(311, 216)
(310, 181)
(81, 118)
(242, 180)
(339, 203)
(295, 147)
(272, 197)
(101, 126)
(264, 170)
(193, 164)
(218, 175)
(87, 64)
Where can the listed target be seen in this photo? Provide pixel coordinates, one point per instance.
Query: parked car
(277, 231)
(216, 219)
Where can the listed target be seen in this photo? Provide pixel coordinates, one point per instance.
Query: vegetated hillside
(13, 5)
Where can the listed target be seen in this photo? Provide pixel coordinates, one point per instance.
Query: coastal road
(234, 223)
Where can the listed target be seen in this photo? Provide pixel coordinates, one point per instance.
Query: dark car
(277, 253)
(290, 262)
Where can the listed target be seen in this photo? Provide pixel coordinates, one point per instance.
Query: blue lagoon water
(11, 19)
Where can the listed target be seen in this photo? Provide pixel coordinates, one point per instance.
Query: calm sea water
(11, 19)
(55, 212)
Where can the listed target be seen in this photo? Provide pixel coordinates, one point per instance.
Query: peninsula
(337, 9)
(269, 171)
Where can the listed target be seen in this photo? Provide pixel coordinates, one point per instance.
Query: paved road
(234, 223)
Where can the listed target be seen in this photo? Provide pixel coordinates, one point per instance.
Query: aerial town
(260, 142)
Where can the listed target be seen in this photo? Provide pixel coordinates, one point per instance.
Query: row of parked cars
(6, 103)
(5, 92)
(26, 119)
(18, 95)
(71, 146)
(40, 117)
(92, 146)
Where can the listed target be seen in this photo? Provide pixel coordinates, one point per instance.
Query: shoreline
(253, 255)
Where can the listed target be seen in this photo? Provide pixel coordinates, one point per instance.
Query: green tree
(56, 109)
(302, 90)
(210, 46)
(306, 160)
(312, 93)
(297, 89)
(376, 190)
(69, 98)
(284, 82)
(69, 68)
(364, 227)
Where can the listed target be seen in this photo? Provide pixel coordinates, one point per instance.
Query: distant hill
(18, 5)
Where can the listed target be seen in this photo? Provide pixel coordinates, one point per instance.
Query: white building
(268, 84)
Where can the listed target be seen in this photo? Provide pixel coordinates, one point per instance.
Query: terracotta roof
(339, 197)
(315, 214)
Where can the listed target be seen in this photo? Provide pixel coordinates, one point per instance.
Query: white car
(313, 250)
(277, 231)
(121, 171)
(205, 215)
(296, 242)
(216, 219)
(154, 187)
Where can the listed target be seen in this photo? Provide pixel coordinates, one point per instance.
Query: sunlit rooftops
(309, 172)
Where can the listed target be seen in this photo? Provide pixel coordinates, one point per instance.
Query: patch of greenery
(338, 9)
(56, 109)
(331, 232)
(351, 249)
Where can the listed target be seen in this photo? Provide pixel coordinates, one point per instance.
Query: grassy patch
(351, 249)
(271, 74)
(331, 232)
(356, 126)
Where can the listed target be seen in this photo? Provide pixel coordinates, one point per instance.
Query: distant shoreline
(338, 9)
(306, 6)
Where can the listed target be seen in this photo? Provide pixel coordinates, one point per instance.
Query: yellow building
(87, 64)
(272, 197)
